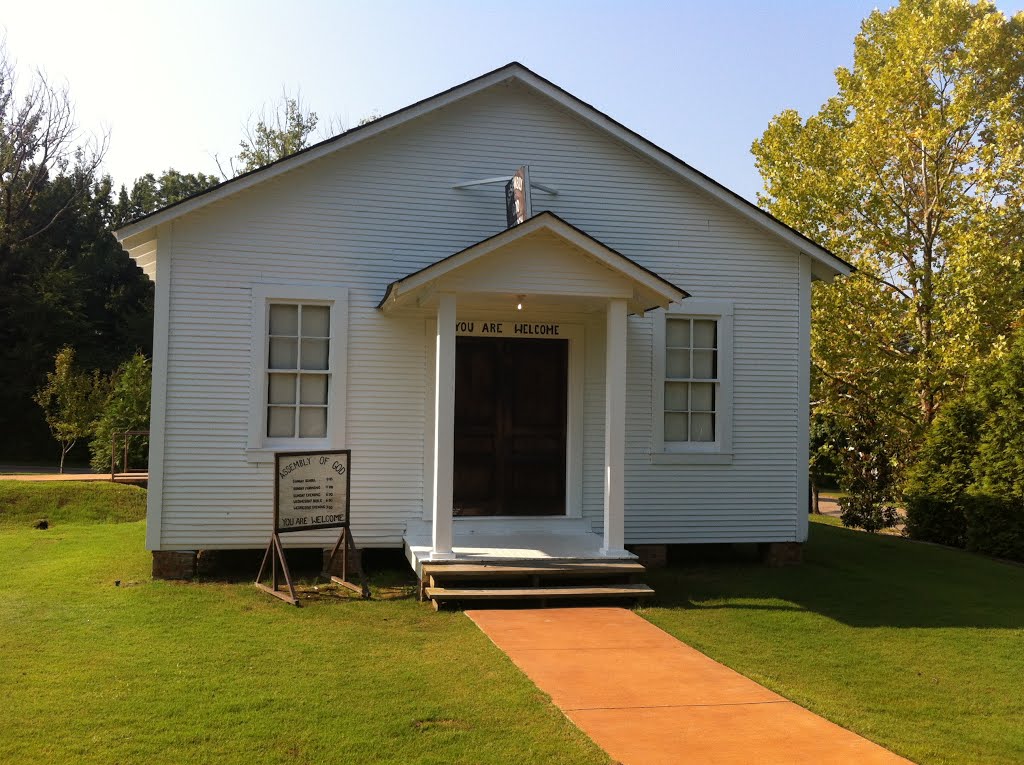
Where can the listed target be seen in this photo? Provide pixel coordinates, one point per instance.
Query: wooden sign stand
(275, 553)
(311, 491)
(344, 545)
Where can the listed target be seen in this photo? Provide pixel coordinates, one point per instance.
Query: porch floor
(526, 545)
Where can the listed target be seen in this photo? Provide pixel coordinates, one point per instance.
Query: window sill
(691, 458)
(266, 453)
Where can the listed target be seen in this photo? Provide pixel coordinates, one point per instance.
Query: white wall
(371, 214)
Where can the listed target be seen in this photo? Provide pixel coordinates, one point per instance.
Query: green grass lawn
(161, 672)
(917, 647)
(24, 502)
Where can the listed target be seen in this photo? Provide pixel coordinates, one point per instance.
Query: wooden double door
(510, 426)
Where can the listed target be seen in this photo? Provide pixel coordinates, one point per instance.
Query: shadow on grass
(858, 579)
(387, 573)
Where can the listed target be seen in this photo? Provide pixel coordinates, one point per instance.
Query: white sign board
(311, 490)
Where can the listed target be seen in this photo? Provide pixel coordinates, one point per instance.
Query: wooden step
(520, 568)
(441, 594)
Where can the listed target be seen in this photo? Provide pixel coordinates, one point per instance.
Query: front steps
(535, 581)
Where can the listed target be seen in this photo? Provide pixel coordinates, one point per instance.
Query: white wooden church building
(626, 366)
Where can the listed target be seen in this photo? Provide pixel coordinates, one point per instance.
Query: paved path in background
(829, 506)
(121, 477)
(56, 477)
(648, 699)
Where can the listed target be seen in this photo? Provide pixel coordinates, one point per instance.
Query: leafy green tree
(72, 284)
(966, 487)
(150, 193)
(998, 466)
(277, 132)
(913, 171)
(126, 408)
(935, 491)
(71, 401)
(63, 278)
(944, 464)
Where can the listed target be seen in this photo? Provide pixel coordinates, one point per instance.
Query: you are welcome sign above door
(534, 329)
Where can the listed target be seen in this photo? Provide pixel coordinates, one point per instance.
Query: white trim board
(648, 289)
(158, 409)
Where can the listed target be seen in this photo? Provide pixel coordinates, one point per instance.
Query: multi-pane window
(298, 370)
(691, 379)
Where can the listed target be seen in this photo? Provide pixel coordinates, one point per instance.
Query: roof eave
(652, 283)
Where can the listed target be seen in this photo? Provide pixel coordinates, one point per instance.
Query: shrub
(995, 526)
(869, 473)
(999, 464)
(71, 401)
(943, 467)
(868, 510)
(127, 408)
(932, 518)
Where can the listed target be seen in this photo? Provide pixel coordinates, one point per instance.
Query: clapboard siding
(371, 214)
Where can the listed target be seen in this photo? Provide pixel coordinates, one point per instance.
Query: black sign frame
(348, 486)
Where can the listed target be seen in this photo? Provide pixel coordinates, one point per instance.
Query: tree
(39, 140)
(150, 193)
(999, 463)
(71, 401)
(827, 437)
(126, 408)
(914, 171)
(279, 131)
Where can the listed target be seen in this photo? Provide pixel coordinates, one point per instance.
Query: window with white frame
(298, 370)
(691, 379)
(300, 349)
(692, 382)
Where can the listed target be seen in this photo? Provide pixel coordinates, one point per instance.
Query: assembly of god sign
(311, 490)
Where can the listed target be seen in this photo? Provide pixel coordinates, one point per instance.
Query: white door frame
(575, 333)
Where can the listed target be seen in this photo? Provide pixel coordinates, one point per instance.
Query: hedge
(936, 519)
(981, 523)
(995, 526)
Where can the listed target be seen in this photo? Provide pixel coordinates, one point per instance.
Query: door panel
(510, 426)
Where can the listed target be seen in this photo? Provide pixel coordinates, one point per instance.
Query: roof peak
(140, 230)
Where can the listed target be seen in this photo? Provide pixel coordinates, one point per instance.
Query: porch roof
(544, 255)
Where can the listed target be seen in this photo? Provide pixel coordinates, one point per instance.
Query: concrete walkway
(648, 699)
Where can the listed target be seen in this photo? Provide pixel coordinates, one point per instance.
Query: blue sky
(175, 82)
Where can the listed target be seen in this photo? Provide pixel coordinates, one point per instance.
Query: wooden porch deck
(562, 563)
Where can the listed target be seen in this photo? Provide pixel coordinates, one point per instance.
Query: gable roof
(649, 290)
(829, 264)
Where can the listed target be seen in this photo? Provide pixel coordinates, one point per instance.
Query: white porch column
(615, 430)
(444, 428)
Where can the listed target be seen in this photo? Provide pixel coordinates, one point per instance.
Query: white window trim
(260, 448)
(718, 452)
